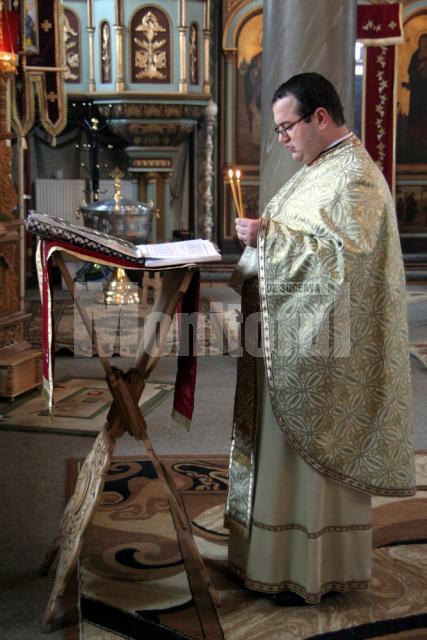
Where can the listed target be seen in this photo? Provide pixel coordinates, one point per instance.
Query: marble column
(300, 37)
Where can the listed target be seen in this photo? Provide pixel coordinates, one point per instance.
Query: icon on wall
(31, 27)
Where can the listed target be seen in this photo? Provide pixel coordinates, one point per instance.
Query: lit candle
(233, 190)
(239, 191)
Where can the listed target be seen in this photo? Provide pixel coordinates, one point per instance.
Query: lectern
(180, 287)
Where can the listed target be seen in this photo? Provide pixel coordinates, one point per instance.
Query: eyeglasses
(281, 130)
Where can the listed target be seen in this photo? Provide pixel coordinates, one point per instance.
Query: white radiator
(61, 198)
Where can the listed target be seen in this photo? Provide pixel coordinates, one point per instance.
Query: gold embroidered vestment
(334, 323)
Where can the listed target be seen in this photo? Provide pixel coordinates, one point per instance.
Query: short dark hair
(312, 91)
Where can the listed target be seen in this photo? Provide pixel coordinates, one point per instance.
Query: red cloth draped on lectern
(187, 362)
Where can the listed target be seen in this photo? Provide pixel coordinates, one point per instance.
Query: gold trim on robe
(238, 509)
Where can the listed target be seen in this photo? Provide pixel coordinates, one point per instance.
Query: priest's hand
(247, 230)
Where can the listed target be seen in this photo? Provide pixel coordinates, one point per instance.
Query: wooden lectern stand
(124, 415)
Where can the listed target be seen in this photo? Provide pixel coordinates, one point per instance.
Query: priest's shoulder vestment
(334, 320)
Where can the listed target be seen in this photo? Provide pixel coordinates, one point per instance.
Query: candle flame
(238, 174)
(230, 174)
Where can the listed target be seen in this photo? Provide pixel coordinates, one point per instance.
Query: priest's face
(299, 137)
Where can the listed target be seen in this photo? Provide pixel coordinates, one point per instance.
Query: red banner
(379, 108)
(380, 27)
(41, 77)
(47, 32)
(380, 24)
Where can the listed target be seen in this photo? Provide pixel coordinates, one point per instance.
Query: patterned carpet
(419, 351)
(134, 578)
(81, 406)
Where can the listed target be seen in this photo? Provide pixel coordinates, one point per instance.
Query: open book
(181, 252)
(149, 255)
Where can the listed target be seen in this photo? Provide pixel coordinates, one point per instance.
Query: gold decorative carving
(8, 197)
(153, 134)
(230, 55)
(77, 516)
(3, 104)
(9, 299)
(160, 111)
(10, 334)
(46, 25)
(152, 55)
(152, 164)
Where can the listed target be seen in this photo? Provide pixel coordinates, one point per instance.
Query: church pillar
(300, 37)
(206, 45)
(166, 212)
(151, 192)
(154, 168)
(118, 28)
(230, 98)
(91, 36)
(183, 28)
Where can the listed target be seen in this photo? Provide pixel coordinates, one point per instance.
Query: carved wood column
(3, 104)
(209, 171)
(12, 242)
(11, 316)
(8, 197)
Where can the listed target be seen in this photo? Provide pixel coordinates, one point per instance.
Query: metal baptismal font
(126, 219)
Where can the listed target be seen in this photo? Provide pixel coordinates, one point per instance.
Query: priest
(322, 407)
